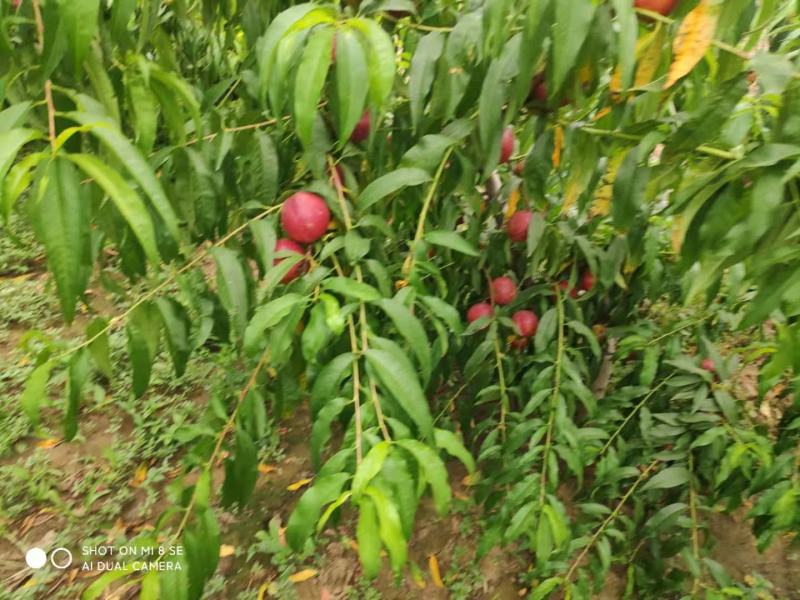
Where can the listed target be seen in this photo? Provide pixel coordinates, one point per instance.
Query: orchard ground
(115, 479)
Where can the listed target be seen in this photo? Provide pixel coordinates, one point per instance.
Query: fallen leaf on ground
(293, 487)
(226, 550)
(303, 575)
(433, 566)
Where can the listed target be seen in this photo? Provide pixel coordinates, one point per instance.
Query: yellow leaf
(649, 56)
(303, 575)
(559, 143)
(513, 200)
(602, 199)
(298, 484)
(139, 476)
(400, 284)
(693, 39)
(601, 113)
(48, 443)
(226, 550)
(266, 469)
(678, 233)
(433, 565)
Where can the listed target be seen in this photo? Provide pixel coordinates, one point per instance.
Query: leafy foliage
(660, 158)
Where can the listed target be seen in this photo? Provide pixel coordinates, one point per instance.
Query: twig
(554, 398)
(630, 416)
(152, 293)
(337, 183)
(504, 403)
(37, 17)
(705, 149)
(409, 261)
(608, 520)
(221, 438)
(693, 514)
(51, 113)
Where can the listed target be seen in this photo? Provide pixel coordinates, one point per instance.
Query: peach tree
(458, 233)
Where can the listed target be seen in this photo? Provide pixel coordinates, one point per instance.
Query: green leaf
(368, 538)
(583, 330)
(10, 143)
(399, 377)
(326, 385)
(450, 239)
(390, 528)
(571, 26)
(626, 47)
(79, 370)
(663, 515)
(668, 478)
(130, 156)
(421, 74)
(35, 393)
(445, 312)
(266, 317)
(267, 45)
(434, 471)
(301, 523)
(447, 441)
(389, 184)
(78, 19)
(316, 334)
(143, 330)
(265, 169)
(59, 213)
(101, 355)
(310, 79)
(201, 548)
(125, 199)
(321, 430)
(370, 466)
(351, 82)
(546, 330)
(412, 331)
(264, 239)
(629, 188)
(490, 114)
(176, 329)
(352, 289)
(232, 286)
(380, 57)
(99, 585)
(545, 588)
(241, 471)
(13, 117)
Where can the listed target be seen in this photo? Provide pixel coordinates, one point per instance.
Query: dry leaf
(226, 550)
(602, 198)
(513, 200)
(48, 443)
(266, 469)
(693, 39)
(303, 575)
(601, 113)
(433, 566)
(559, 143)
(298, 484)
(139, 476)
(678, 233)
(649, 56)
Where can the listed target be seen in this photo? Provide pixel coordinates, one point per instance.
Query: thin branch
(169, 280)
(704, 149)
(630, 416)
(51, 113)
(408, 264)
(221, 438)
(693, 514)
(608, 520)
(37, 17)
(554, 398)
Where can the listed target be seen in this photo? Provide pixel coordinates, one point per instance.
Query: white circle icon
(36, 558)
(65, 560)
